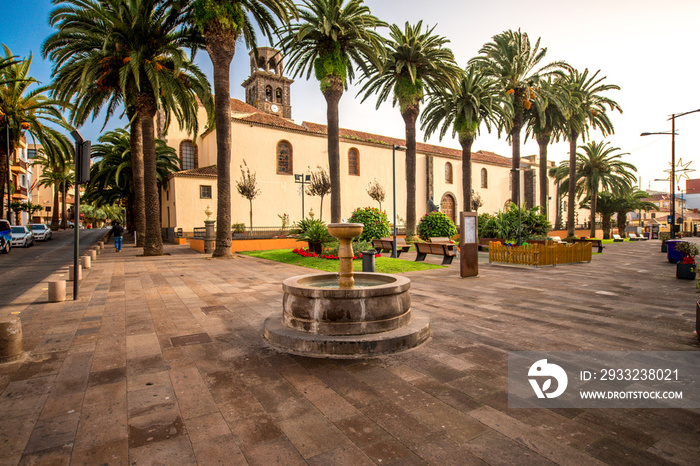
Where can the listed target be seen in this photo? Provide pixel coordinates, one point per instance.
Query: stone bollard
(209, 236)
(11, 343)
(70, 272)
(101, 244)
(57, 291)
(93, 255)
(85, 262)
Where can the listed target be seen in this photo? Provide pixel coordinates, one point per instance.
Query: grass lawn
(382, 264)
(611, 240)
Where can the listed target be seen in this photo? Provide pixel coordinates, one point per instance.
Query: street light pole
(393, 178)
(303, 179)
(7, 130)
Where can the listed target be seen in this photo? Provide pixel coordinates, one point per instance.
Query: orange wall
(253, 244)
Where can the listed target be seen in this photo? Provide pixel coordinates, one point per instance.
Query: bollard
(85, 262)
(70, 272)
(11, 343)
(57, 291)
(101, 244)
(368, 260)
(93, 255)
(96, 249)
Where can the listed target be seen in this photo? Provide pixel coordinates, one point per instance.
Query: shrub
(303, 225)
(375, 221)
(238, 227)
(357, 247)
(687, 249)
(436, 224)
(316, 233)
(505, 224)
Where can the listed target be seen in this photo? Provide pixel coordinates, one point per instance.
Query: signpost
(468, 244)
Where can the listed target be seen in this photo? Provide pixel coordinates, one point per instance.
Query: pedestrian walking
(118, 232)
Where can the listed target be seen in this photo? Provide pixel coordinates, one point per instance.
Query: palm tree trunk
(137, 173)
(570, 226)
(221, 47)
(153, 242)
(333, 93)
(515, 141)
(56, 206)
(64, 207)
(594, 207)
(410, 116)
(557, 218)
(466, 144)
(606, 226)
(622, 223)
(543, 142)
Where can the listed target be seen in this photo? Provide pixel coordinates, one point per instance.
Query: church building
(276, 148)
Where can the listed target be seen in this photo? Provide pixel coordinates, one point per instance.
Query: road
(24, 268)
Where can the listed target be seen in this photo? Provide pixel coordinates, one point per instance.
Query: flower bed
(306, 253)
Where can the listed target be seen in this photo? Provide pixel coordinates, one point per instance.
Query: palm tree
(417, 62)
(587, 112)
(26, 111)
(475, 100)
(222, 22)
(142, 56)
(512, 60)
(598, 168)
(57, 168)
(547, 120)
(632, 200)
(332, 39)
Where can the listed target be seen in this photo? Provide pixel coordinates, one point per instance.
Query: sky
(647, 47)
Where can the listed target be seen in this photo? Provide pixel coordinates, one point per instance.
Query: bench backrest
(440, 239)
(556, 239)
(617, 237)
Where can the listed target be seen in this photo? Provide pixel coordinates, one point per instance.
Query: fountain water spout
(345, 232)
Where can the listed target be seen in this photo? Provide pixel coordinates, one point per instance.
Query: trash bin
(368, 260)
(672, 254)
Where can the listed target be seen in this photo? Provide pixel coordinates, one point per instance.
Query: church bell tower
(267, 89)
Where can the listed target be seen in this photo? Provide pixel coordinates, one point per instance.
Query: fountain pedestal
(347, 315)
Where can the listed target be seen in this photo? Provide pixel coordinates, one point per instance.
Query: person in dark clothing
(118, 232)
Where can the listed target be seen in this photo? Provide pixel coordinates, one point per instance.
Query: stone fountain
(346, 315)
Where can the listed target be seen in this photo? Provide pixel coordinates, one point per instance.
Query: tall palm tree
(607, 205)
(512, 60)
(598, 168)
(417, 62)
(476, 99)
(222, 22)
(141, 61)
(331, 39)
(546, 120)
(57, 167)
(26, 110)
(588, 111)
(632, 200)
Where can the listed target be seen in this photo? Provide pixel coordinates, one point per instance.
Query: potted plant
(686, 267)
(316, 235)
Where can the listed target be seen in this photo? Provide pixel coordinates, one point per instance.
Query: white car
(21, 236)
(41, 232)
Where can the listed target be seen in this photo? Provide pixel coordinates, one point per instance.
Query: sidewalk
(161, 361)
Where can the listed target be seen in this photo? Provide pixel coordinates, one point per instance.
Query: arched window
(268, 93)
(278, 95)
(484, 178)
(188, 156)
(448, 173)
(354, 162)
(284, 158)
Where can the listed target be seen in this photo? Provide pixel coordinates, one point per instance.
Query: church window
(204, 192)
(284, 158)
(268, 93)
(448, 173)
(278, 95)
(484, 178)
(188, 155)
(353, 162)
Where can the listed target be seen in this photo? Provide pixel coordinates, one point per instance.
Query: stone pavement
(161, 361)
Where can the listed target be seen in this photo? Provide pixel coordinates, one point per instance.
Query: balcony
(20, 194)
(19, 166)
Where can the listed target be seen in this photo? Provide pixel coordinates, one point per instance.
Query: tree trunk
(410, 115)
(594, 207)
(137, 174)
(515, 141)
(333, 93)
(64, 207)
(466, 144)
(606, 226)
(622, 224)
(153, 242)
(251, 216)
(543, 142)
(570, 225)
(56, 206)
(221, 47)
(4, 195)
(320, 214)
(557, 221)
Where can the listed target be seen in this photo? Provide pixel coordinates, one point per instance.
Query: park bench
(385, 245)
(634, 237)
(618, 239)
(440, 249)
(440, 240)
(596, 242)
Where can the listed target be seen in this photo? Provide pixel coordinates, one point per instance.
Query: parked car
(41, 232)
(22, 236)
(5, 237)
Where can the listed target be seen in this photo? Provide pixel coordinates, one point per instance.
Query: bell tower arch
(267, 88)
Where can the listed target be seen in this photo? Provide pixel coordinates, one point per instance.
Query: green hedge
(375, 221)
(436, 224)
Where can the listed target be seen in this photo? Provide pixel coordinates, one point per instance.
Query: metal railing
(262, 232)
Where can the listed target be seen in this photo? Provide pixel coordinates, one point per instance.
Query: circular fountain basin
(321, 319)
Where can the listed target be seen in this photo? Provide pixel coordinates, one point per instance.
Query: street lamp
(520, 225)
(303, 180)
(7, 137)
(673, 164)
(394, 147)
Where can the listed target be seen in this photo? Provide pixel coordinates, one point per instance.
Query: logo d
(542, 368)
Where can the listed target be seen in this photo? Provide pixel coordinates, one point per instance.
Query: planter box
(664, 248)
(685, 271)
(697, 319)
(674, 256)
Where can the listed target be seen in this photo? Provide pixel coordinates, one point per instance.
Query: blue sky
(646, 47)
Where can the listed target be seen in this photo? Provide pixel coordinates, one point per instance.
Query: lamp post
(673, 165)
(303, 180)
(520, 225)
(393, 179)
(7, 137)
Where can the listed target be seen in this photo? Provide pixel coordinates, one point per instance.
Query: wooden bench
(596, 242)
(385, 245)
(440, 249)
(441, 240)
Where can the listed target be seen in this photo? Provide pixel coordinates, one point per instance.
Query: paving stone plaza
(161, 361)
